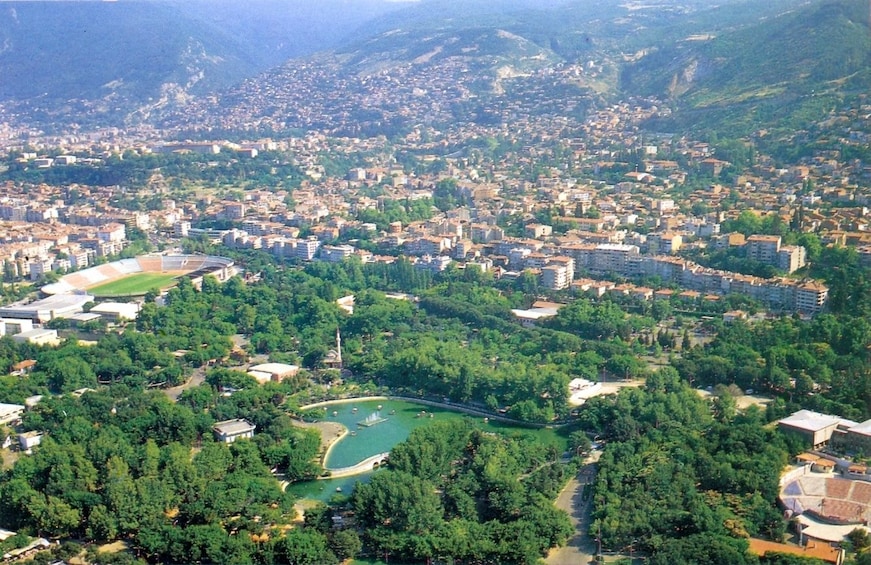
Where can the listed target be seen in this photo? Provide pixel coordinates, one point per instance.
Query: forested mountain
(110, 62)
(777, 72)
(111, 51)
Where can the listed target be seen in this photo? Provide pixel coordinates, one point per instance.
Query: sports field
(139, 283)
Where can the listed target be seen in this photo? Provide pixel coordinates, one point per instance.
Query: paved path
(198, 378)
(580, 549)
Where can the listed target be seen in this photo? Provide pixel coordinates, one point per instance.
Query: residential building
(811, 297)
(791, 258)
(763, 248)
(536, 231)
(664, 243)
(306, 249)
(555, 277)
(112, 233)
(336, 253)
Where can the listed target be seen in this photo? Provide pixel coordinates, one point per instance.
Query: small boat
(392, 412)
(354, 410)
(335, 413)
(338, 489)
(379, 407)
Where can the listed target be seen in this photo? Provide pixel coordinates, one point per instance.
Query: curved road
(197, 378)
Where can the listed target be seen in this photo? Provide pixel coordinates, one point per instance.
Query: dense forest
(131, 465)
(679, 476)
(271, 169)
(459, 493)
(682, 480)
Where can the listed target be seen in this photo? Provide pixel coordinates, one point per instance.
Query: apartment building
(307, 249)
(555, 277)
(791, 258)
(664, 242)
(811, 297)
(763, 248)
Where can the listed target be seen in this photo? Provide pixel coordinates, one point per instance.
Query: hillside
(386, 83)
(274, 31)
(119, 62)
(778, 72)
(732, 68)
(109, 57)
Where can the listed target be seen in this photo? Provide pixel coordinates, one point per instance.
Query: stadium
(135, 277)
(827, 506)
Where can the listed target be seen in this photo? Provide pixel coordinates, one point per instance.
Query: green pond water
(400, 418)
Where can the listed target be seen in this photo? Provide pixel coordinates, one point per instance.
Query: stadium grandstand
(827, 497)
(194, 267)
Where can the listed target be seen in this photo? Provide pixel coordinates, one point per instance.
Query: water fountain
(372, 419)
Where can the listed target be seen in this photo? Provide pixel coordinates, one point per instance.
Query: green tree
(303, 546)
(345, 544)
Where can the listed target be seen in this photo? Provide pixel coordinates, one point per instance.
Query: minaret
(338, 347)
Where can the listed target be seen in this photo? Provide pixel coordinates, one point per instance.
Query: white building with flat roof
(229, 431)
(9, 326)
(37, 336)
(47, 309)
(10, 413)
(275, 372)
(116, 311)
(815, 427)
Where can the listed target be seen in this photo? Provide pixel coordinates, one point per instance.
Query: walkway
(579, 548)
(196, 379)
(361, 467)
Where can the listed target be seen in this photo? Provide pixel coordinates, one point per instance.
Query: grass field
(139, 283)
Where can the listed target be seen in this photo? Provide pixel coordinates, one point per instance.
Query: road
(197, 378)
(580, 547)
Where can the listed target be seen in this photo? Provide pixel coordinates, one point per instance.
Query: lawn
(139, 283)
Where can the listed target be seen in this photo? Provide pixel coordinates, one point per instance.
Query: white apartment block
(306, 249)
(763, 248)
(810, 297)
(791, 258)
(613, 258)
(555, 277)
(336, 253)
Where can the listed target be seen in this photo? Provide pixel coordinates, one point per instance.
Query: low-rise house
(29, 440)
(813, 550)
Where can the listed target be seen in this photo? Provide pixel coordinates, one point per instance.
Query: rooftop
(864, 428)
(233, 427)
(813, 550)
(279, 369)
(811, 421)
(9, 409)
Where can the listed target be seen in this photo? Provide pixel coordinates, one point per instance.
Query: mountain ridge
(737, 66)
(788, 64)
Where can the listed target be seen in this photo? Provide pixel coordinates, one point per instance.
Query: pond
(397, 419)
